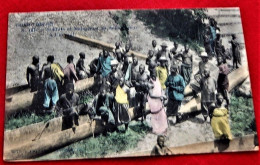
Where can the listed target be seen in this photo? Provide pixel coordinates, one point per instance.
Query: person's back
(33, 74)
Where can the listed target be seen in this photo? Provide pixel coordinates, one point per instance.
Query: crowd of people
(124, 83)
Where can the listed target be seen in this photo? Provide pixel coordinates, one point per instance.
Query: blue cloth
(50, 93)
(176, 85)
(213, 32)
(104, 65)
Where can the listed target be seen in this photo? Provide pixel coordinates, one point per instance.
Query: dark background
(250, 20)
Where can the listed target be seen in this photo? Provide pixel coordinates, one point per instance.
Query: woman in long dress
(122, 104)
(155, 97)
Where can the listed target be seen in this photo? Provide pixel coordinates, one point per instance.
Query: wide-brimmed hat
(164, 44)
(114, 62)
(162, 58)
(204, 54)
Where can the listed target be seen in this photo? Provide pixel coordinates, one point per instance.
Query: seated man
(67, 107)
(103, 106)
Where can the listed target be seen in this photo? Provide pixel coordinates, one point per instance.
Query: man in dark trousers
(176, 85)
(67, 107)
(208, 94)
(235, 52)
(142, 90)
(32, 74)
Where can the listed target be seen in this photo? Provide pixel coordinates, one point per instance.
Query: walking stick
(40, 134)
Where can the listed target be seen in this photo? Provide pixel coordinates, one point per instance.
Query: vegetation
(183, 25)
(242, 115)
(121, 18)
(100, 146)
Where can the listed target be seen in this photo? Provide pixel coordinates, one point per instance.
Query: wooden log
(99, 44)
(19, 144)
(24, 99)
(235, 78)
(245, 143)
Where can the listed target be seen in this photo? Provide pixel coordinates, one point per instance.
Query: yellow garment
(121, 96)
(162, 74)
(57, 72)
(220, 124)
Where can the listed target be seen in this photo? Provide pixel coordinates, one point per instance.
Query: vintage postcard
(124, 83)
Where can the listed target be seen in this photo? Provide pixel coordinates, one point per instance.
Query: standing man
(176, 85)
(51, 94)
(114, 77)
(67, 106)
(142, 90)
(50, 60)
(223, 82)
(70, 72)
(186, 66)
(32, 74)
(151, 58)
(208, 94)
(164, 52)
(207, 42)
(235, 52)
(204, 64)
(104, 64)
(80, 68)
(155, 48)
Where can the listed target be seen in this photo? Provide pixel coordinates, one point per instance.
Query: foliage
(242, 116)
(26, 118)
(183, 25)
(121, 18)
(100, 146)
